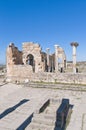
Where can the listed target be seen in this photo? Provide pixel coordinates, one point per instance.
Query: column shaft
(56, 58)
(48, 62)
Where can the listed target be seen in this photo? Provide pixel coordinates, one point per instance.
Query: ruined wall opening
(30, 61)
(65, 64)
(60, 63)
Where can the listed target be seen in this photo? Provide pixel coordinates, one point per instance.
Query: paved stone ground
(17, 103)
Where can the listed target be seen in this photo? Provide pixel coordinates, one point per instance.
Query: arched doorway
(30, 61)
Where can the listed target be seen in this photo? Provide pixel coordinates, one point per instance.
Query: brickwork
(50, 77)
(31, 65)
(14, 56)
(32, 52)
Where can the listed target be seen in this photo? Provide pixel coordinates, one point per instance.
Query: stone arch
(30, 61)
(60, 62)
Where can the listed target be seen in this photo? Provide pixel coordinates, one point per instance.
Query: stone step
(43, 120)
(31, 128)
(39, 126)
(47, 116)
(51, 109)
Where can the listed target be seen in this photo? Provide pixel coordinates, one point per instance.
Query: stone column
(74, 45)
(56, 58)
(48, 62)
(52, 63)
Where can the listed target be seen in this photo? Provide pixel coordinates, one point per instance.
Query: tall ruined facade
(33, 55)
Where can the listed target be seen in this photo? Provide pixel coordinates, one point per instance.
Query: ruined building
(32, 64)
(32, 60)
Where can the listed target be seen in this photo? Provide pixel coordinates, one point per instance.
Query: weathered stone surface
(12, 94)
(31, 65)
(23, 65)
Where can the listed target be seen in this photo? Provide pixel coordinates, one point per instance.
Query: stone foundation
(20, 76)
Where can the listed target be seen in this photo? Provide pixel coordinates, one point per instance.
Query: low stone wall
(25, 76)
(18, 73)
(61, 78)
(81, 66)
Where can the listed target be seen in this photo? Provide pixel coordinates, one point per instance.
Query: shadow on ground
(25, 123)
(63, 114)
(11, 109)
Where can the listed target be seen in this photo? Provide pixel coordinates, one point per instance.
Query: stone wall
(70, 78)
(31, 65)
(34, 50)
(14, 56)
(81, 66)
(19, 73)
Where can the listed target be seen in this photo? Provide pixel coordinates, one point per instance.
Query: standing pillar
(52, 64)
(56, 58)
(48, 62)
(74, 45)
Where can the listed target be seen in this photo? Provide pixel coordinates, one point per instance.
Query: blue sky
(47, 22)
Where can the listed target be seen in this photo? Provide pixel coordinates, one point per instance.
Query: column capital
(56, 45)
(74, 44)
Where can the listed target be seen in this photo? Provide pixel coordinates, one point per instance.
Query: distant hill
(2, 66)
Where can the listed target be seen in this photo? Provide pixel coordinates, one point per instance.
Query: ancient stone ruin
(32, 60)
(51, 114)
(32, 64)
(33, 56)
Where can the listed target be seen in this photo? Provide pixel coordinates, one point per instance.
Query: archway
(30, 61)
